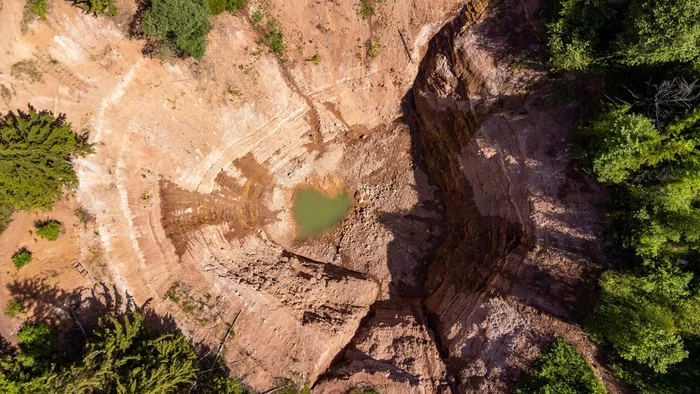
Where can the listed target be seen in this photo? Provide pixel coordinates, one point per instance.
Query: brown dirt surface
(471, 243)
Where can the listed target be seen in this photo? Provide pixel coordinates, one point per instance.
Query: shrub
(37, 152)
(216, 6)
(84, 216)
(561, 370)
(373, 47)
(183, 24)
(257, 17)
(38, 7)
(14, 307)
(275, 38)
(367, 7)
(21, 257)
(234, 5)
(97, 7)
(48, 229)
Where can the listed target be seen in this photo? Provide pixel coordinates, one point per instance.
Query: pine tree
(36, 153)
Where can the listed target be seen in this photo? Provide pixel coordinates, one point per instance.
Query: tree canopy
(97, 7)
(121, 356)
(182, 24)
(642, 141)
(36, 156)
(591, 34)
(561, 370)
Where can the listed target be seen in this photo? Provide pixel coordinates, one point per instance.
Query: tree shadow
(76, 313)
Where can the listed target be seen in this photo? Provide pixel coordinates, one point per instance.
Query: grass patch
(373, 47)
(202, 307)
(368, 7)
(27, 70)
(84, 216)
(21, 257)
(48, 229)
(5, 93)
(14, 307)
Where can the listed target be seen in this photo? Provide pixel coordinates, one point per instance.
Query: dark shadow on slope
(476, 254)
(74, 313)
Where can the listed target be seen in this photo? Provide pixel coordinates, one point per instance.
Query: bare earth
(472, 241)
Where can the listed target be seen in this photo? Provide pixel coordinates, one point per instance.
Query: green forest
(641, 140)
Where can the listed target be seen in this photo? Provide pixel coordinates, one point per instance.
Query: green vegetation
(289, 387)
(218, 6)
(257, 17)
(642, 142)
(48, 229)
(314, 212)
(123, 355)
(644, 317)
(366, 8)
(27, 70)
(594, 34)
(38, 7)
(97, 7)
(202, 307)
(36, 153)
(5, 216)
(21, 257)
(274, 37)
(178, 25)
(315, 59)
(561, 370)
(373, 47)
(14, 307)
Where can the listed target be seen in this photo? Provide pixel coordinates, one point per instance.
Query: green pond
(315, 212)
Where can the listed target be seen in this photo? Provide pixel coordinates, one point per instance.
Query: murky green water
(315, 212)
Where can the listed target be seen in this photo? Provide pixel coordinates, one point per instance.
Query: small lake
(316, 211)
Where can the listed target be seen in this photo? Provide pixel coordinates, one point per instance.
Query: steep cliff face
(518, 263)
(516, 260)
